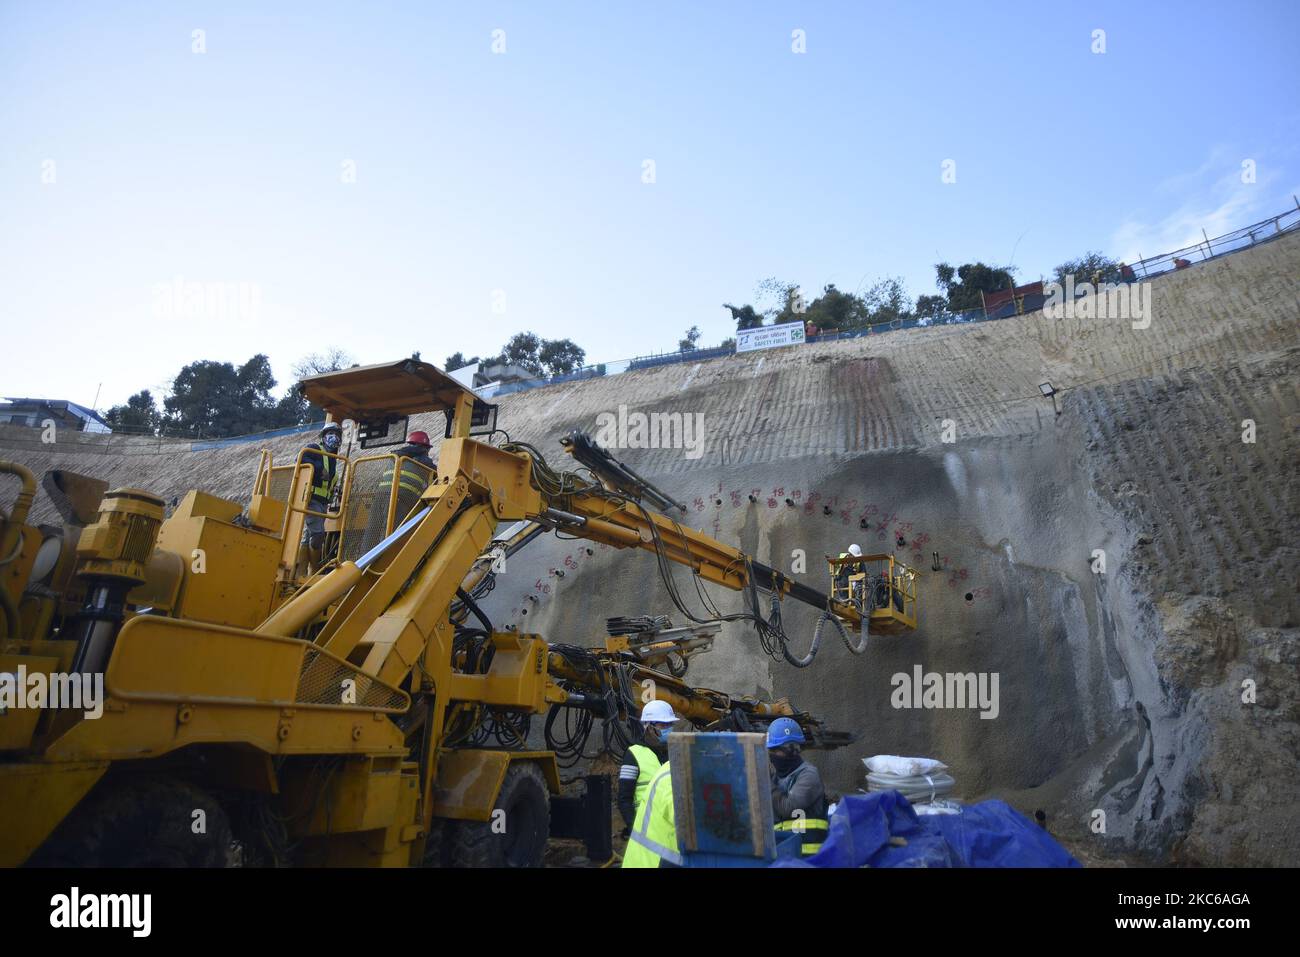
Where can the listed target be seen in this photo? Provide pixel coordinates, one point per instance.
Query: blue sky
(129, 160)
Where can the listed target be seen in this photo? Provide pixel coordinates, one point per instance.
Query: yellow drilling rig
(368, 714)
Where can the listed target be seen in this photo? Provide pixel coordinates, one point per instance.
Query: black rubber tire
(140, 822)
(527, 823)
(438, 844)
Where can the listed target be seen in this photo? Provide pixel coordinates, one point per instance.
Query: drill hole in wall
(970, 597)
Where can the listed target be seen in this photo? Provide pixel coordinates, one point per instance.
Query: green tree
(962, 286)
(140, 415)
(833, 309)
(745, 316)
(930, 305)
(216, 400)
(688, 343)
(560, 356)
(1089, 264)
(541, 357)
(522, 350)
(457, 361)
(886, 301)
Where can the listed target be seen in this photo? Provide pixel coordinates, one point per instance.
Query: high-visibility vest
(412, 477)
(648, 765)
(654, 834)
(328, 473)
(814, 827)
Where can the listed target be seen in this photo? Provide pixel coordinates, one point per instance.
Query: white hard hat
(855, 551)
(658, 712)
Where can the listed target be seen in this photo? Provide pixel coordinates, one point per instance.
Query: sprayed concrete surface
(1161, 697)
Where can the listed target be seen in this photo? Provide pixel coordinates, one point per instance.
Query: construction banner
(769, 337)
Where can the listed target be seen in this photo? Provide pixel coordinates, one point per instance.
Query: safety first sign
(769, 337)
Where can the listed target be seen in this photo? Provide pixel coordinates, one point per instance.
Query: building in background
(34, 413)
(489, 378)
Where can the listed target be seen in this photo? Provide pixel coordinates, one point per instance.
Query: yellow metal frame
(882, 567)
(391, 520)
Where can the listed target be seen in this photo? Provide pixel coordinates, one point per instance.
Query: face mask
(784, 763)
(332, 442)
(658, 735)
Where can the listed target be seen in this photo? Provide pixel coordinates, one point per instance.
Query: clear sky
(496, 192)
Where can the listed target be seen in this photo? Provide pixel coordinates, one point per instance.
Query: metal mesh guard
(322, 682)
(280, 483)
(364, 520)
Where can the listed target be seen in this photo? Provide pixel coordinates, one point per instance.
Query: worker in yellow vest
(642, 761)
(325, 476)
(411, 478)
(654, 833)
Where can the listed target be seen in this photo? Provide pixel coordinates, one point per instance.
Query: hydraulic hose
(469, 603)
(12, 538)
(861, 645)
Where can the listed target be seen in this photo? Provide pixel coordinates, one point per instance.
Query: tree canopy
(213, 399)
(961, 287)
(1086, 266)
(139, 414)
(541, 357)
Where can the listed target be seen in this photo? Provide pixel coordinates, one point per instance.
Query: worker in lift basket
(798, 797)
(325, 475)
(642, 761)
(842, 576)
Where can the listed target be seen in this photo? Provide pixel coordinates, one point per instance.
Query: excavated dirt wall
(1163, 693)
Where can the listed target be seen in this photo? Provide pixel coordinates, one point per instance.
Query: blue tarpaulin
(988, 834)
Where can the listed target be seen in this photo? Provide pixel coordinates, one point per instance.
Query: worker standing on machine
(798, 797)
(417, 449)
(325, 475)
(643, 761)
(411, 479)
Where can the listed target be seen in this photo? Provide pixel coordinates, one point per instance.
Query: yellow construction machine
(172, 692)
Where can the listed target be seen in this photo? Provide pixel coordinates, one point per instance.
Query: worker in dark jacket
(326, 472)
(642, 761)
(798, 798)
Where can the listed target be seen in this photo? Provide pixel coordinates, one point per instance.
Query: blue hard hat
(784, 731)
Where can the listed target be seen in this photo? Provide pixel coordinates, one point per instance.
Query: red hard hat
(418, 438)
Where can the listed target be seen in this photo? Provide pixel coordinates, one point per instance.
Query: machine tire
(145, 822)
(438, 843)
(527, 804)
